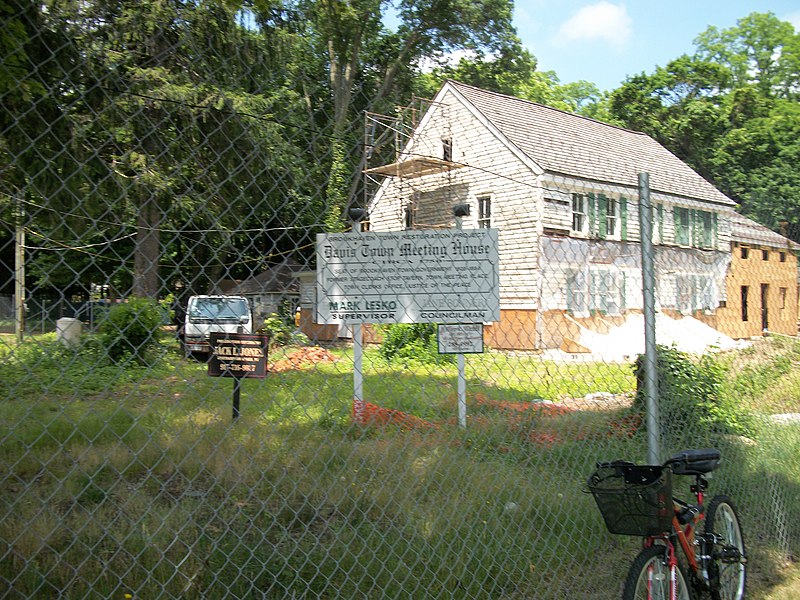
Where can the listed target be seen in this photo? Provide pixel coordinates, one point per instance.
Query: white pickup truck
(208, 314)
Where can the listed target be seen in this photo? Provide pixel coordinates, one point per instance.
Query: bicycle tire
(727, 579)
(648, 577)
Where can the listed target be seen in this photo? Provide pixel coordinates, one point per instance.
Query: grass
(136, 481)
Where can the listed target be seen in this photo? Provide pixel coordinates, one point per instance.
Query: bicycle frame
(686, 534)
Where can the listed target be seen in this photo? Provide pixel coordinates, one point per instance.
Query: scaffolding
(389, 151)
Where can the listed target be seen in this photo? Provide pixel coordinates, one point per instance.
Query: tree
(368, 67)
(731, 112)
(761, 50)
(680, 105)
(757, 163)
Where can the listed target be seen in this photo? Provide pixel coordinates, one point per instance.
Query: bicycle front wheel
(727, 572)
(649, 578)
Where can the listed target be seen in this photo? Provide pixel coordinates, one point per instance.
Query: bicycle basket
(633, 499)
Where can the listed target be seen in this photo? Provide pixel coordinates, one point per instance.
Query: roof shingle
(563, 143)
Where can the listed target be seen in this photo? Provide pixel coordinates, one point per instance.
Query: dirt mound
(309, 355)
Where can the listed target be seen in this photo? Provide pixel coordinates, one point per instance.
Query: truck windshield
(218, 309)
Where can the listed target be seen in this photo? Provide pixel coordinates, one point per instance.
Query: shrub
(281, 333)
(132, 329)
(415, 341)
(691, 396)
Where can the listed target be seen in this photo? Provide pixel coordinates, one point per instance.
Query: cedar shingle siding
(546, 171)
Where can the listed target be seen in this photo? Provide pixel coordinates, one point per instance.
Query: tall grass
(143, 485)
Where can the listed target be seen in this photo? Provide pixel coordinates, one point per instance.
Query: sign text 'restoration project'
(419, 276)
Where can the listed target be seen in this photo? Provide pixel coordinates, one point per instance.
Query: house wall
(542, 260)
(493, 172)
(516, 330)
(753, 272)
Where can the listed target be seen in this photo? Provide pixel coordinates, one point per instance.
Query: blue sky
(603, 41)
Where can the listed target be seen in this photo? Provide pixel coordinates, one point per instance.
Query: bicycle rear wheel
(727, 572)
(649, 577)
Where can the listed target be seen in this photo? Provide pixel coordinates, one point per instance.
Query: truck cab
(209, 314)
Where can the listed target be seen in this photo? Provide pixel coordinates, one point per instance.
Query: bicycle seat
(694, 462)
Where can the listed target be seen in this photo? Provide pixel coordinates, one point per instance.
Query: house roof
(567, 144)
(747, 231)
(275, 280)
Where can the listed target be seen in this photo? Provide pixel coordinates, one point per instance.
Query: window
(765, 255)
(706, 229)
(694, 292)
(447, 149)
(745, 290)
(577, 292)
(782, 294)
(484, 212)
(580, 213)
(600, 290)
(607, 293)
(612, 217)
(783, 256)
(696, 228)
(409, 216)
(745, 252)
(682, 226)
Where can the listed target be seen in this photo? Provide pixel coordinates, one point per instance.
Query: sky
(604, 41)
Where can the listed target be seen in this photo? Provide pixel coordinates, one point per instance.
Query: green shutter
(602, 210)
(623, 217)
(713, 230)
(660, 224)
(676, 220)
(591, 197)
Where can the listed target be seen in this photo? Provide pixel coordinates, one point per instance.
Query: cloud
(601, 21)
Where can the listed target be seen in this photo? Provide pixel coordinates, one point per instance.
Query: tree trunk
(147, 250)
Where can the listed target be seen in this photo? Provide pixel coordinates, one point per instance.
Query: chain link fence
(170, 150)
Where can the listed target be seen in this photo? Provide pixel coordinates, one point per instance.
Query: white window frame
(447, 149)
(484, 211)
(409, 215)
(580, 211)
(596, 289)
(613, 218)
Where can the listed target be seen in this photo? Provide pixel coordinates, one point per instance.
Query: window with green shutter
(623, 218)
(683, 226)
(580, 216)
(609, 217)
(602, 216)
(707, 229)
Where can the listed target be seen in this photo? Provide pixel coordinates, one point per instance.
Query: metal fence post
(649, 305)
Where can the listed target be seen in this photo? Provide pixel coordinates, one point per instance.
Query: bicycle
(637, 500)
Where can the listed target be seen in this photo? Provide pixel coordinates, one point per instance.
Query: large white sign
(416, 276)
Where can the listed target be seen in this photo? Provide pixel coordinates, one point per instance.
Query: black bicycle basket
(633, 499)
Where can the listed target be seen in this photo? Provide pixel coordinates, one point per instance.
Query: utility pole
(19, 272)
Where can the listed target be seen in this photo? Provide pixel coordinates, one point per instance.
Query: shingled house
(562, 190)
(762, 286)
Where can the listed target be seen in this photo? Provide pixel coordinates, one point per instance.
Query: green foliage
(281, 333)
(412, 341)
(691, 396)
(132, 329)
(730, 111)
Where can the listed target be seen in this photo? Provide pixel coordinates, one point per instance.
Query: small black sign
(238, 355)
